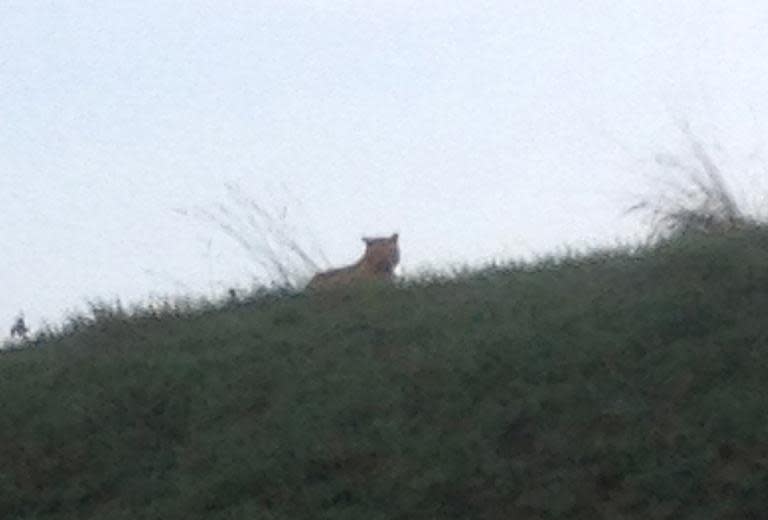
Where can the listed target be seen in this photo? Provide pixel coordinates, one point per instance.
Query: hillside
(626, 384)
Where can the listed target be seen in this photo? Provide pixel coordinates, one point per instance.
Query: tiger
(381, 256)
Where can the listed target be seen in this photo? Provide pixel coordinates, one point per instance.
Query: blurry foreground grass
(619, 384)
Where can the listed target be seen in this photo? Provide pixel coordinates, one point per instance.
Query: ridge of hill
(621, 384)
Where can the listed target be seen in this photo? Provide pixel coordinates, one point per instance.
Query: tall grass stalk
(264, 232)
(698, 199)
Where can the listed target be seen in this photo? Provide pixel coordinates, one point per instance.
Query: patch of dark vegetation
(618, 384)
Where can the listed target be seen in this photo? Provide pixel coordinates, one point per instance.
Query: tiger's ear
(394, 237)
(367, 240)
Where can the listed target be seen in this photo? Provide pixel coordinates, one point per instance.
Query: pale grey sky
(483, 129)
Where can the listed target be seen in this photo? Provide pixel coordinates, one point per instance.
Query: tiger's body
(377, 264)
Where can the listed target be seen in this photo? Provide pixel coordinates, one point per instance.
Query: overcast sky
(478, 130)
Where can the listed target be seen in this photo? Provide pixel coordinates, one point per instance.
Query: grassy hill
(620, 384)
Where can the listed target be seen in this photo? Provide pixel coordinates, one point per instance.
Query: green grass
(619, 384)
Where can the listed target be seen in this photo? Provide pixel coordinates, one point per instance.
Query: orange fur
(378, 263)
